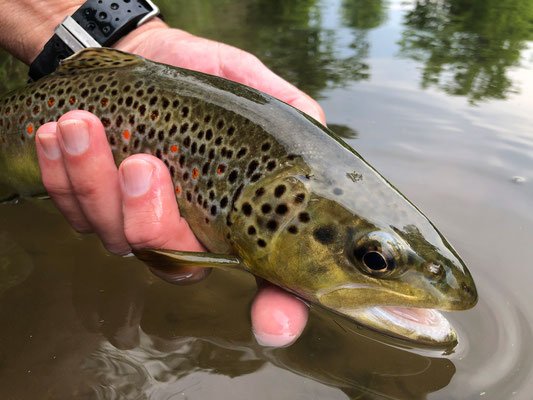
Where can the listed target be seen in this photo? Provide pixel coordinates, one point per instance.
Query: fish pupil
(375, 261)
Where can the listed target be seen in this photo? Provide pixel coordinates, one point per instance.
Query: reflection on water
(79, 323)
(467, 47)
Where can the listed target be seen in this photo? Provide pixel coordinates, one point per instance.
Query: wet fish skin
(254, 178)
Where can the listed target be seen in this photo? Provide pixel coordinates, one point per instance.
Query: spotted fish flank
(258, 181)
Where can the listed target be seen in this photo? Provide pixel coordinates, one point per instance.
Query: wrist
(26, 25)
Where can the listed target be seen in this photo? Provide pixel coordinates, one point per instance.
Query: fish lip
(398, 321)
(422, 326)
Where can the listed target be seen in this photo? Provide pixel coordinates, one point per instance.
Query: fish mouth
(423, 326)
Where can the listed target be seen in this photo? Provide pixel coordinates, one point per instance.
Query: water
(436, 95)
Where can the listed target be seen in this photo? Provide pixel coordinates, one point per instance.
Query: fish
(264, 187)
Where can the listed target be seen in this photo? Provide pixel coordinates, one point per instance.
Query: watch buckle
(150, 15)
(74, 36)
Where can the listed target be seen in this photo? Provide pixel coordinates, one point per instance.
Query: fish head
(388, 274)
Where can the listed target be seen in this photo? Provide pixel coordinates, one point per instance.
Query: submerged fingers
(278, 318)
(151, 215)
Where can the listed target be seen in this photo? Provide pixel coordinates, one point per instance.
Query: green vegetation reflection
(468, 46)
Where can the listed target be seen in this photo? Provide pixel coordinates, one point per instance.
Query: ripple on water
(494, 354)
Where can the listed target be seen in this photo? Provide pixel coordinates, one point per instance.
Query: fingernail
(136, 176)
(75, 135)
(50, 146)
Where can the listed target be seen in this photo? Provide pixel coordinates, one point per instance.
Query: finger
(93, 175)
(278, 318)
(151, 215)
(55, 178)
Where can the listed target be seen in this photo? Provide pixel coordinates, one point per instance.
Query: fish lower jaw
(419, 325)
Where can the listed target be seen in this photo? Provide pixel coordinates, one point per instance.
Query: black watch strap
(96, 23)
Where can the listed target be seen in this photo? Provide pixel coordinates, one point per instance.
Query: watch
(97, 23)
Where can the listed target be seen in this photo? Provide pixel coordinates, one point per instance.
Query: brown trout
(263, 186)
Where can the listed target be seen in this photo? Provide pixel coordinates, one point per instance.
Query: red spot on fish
(72, 100)
(173, 148)
(178, 190)
(29, 129)
(51, 102)
(127, 134)
(195, 173)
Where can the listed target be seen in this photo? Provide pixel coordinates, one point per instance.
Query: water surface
(437, 95)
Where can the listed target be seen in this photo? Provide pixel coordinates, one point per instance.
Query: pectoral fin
(165, 259)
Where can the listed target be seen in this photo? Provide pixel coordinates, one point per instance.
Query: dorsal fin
(98, 58)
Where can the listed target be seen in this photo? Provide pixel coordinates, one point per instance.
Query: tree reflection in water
(468, 46)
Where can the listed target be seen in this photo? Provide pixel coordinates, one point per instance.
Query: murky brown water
(437, 96)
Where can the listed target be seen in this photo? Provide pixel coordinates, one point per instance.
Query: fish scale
(255, 179)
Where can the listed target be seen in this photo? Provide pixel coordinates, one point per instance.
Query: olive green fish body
(254, 178)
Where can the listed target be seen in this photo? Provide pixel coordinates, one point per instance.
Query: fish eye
(376, 254)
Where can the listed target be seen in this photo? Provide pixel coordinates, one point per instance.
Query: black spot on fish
(259, 192)
(231, 130)
(255, 177)
(233, 176)
(220, 124)
(252, 167)
(280, 189)
(281, 209)
(184, 128)
(224, 202)
(303, 217)
(207, 118)
(172, 130)
(266, 208)
(242, 152)
(299, 198)
(324, 234)
(106, 122)
(261, 243)
(185, 112)
(265, 146)
(271, 165)
(251, 230)
(292, 229)
(247, 209)
(153, 100)
(213, 210)
(272, 225)
(208, 134)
